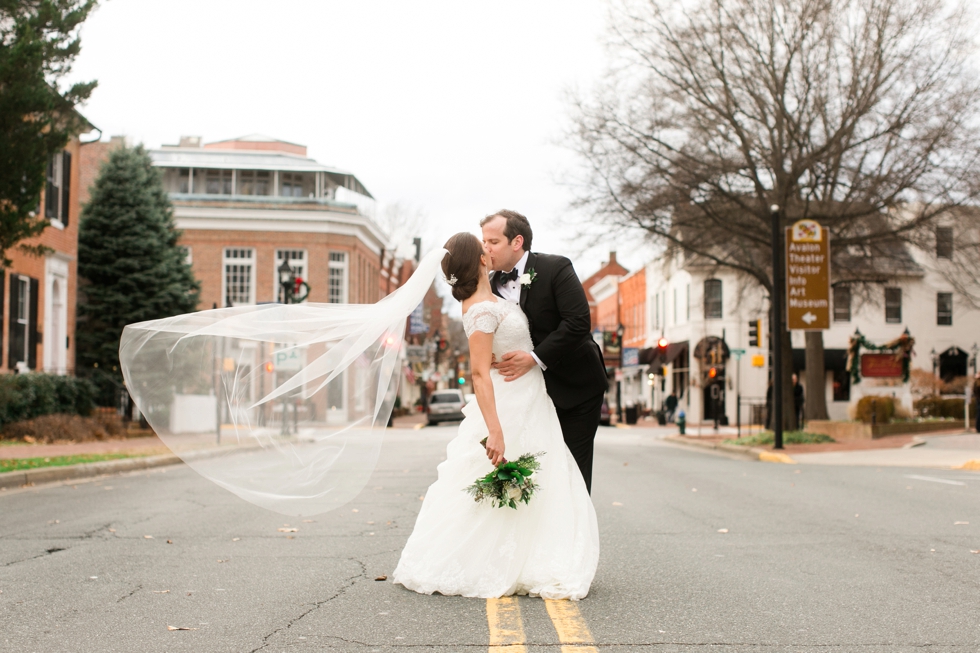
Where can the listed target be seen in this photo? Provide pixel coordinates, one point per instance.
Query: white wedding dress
(547, 548)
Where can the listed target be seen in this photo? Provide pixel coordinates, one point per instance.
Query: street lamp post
(935, 365)
(290, 284)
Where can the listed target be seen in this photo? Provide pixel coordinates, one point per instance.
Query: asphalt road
(815, 558)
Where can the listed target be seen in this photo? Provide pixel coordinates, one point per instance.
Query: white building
(694, 304)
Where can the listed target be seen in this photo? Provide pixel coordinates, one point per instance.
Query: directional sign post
(807, 276)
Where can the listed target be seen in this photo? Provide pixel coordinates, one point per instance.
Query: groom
(553, 299)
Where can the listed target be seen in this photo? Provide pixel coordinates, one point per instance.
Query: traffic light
(443, 344)
(269, 367)
(755, 333)
(461, 380)
(713, 372)
(662, 345)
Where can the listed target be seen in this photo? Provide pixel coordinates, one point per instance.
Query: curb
(752, 453)
(85, 470)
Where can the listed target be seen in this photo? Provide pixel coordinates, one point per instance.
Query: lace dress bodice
(505, 320)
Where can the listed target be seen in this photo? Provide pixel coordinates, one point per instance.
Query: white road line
(935, 480)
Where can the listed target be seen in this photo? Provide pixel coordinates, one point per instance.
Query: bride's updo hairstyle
(463, 263)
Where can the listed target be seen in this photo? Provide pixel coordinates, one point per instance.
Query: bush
(26, 396)
(789, 437)
(51, 428)
(882, 407)
(936, 406)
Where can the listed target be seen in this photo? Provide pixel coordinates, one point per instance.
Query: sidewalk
(145, 446)
(952, 449)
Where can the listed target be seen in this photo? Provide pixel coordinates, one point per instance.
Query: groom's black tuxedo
(561, 330)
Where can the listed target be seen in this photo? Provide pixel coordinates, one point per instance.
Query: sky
(451, 109)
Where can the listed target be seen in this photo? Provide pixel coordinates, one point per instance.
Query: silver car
(445, 406)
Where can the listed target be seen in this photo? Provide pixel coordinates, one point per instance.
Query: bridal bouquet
(509, 483)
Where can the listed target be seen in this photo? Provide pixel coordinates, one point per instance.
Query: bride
(547, 548)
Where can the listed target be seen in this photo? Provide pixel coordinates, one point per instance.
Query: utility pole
(776, 327)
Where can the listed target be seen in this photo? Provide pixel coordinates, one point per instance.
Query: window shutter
(33, 335)
(65, 187)
(16, 344)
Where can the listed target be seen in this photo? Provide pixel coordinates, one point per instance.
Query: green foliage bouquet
(509, 483)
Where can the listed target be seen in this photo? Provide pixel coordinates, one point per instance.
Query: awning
(833, 359)
(652, 356)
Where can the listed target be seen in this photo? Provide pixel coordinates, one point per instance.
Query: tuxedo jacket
(561, 330)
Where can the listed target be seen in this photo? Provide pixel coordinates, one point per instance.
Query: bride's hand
(495, 448)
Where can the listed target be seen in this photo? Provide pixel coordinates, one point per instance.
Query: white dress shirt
(511, 291)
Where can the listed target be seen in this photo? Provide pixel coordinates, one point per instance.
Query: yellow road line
(572, 630)
(418, 427)
(506, 629)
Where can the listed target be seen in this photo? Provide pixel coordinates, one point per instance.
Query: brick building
(38, 293)
(245, 205)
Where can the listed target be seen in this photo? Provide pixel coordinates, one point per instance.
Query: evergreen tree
(38, 43)
(130, 264)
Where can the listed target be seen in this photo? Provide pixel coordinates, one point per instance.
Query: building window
(338, 278)
(893, 305)
(22, 322)
(291, 184)
(56, 191)
(712, 299)
(842, 385)
(944, 309)
(842, 303)
(239, 283)
(217, 182)
(254, 182)
(944, 242)
(297, 261)
(177, 180)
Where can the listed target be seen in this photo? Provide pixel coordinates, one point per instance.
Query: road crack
(349, 583)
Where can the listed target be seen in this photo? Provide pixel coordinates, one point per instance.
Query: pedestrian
(769, 407)
(799, 400)
(671, 404)
(976, 400)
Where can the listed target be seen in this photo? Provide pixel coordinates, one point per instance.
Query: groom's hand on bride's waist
(513, 365)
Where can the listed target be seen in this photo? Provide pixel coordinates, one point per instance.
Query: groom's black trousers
(578, 426)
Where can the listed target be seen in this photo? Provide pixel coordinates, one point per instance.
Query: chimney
(612, 258)
(190, 141)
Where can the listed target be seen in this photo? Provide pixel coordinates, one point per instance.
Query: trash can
(661, 418)
(632, 413)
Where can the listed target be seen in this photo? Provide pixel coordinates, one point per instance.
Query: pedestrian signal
(755, 333)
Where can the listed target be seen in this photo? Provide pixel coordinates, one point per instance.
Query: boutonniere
(528, 277)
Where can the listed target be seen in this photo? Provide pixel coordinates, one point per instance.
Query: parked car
(445, 406)
(604, 417)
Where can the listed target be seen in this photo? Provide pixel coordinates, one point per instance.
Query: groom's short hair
(517, 225)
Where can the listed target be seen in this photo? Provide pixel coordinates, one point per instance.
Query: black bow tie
(506, 277)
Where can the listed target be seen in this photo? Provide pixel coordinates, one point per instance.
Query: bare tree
(860, 114)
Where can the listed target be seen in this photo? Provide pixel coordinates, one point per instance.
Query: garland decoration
(900, 346)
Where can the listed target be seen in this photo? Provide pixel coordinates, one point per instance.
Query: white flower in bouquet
(514, 493)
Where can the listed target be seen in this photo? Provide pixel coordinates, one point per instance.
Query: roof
(188, 157)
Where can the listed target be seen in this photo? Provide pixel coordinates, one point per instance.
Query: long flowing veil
(284, 405)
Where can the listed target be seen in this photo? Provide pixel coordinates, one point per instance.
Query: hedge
(938, 406)
(26, 396)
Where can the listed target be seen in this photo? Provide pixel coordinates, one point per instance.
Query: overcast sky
(452, 108)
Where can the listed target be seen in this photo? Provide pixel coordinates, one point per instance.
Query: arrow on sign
(809, 318)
